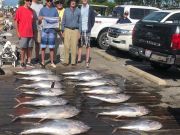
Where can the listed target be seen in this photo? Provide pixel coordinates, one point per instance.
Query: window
(136, 13)
(155, 16)
(174, 18)
(118, 11)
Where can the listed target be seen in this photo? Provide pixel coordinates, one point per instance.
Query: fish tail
(17, 100)
(115, 130)
(97, 115)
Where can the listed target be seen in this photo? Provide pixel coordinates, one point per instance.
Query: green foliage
(21, 2)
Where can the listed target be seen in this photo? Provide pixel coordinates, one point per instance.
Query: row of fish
(93, 85)
(48, 86)
(107, 91)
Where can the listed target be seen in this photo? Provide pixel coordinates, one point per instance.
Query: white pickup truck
(102, 24)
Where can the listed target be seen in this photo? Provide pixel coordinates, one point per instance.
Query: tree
(21, 2)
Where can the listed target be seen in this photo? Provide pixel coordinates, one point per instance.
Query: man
(60, 9)
(88, 19)
(71, 27)
(124, 19)
(24, 21)
(48, 34)
(37, 28)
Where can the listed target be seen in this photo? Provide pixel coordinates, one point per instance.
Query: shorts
(48, 39)
(26, 42)
(85, 39)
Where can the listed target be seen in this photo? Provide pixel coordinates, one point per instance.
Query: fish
(103, 90)
(98, 82)
(141, 125)
(52, 112)
(44, 92)
(126, 111)
(35, 72)
(78, 72)
(42, 78)
(43, 101)
(113, 98)
(85, 77)
(41, 84)
(58, 127)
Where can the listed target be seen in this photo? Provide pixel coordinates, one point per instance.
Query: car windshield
(155, 16)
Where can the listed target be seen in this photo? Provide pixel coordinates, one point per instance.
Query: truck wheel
(160, 66)
(102, 40)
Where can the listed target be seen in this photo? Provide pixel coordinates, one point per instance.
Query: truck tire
(102, 40)
(160, 66)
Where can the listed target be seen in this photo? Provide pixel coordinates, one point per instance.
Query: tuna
(58, 127)
(41, 84)
(142, 125)
(85, 77)
(35, 72)
(98, 82)
(44, 92)
(78, 72)
(44, 101)
(42, 78)
(114, 98)
(126, 111)
(103, 90)
(60, 112)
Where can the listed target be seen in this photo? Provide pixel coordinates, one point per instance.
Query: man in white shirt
(37, 35)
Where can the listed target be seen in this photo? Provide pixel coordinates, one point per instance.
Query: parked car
(156, 38)
(120, 35)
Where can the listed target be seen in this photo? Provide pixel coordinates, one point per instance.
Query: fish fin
(117, 117)
(17, 105)
(97, 115)
(16, 118)
(41, 120)
(17, 100)
(115, 130)
(52, 85)
(18, 88)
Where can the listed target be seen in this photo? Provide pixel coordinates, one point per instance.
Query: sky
(10, 2)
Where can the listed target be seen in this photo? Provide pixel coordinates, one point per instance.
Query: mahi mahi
(114, 98)
(43, 101)
(58, 127)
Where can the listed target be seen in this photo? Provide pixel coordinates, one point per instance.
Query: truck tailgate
(154, 36)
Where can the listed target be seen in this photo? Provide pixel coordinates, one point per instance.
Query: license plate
(148, 53)
(158, 58)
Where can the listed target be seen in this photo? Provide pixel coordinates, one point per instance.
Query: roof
(136, 6)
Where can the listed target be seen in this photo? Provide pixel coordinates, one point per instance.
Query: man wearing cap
(48, 34)
(60, 9)
(24, 19)
(88, 19)
(71, 27)
(37, 28)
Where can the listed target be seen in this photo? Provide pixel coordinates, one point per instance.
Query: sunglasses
(28, 0)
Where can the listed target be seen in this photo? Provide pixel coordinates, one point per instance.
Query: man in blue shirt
(48, 34)
(71, 27)
(124, 19)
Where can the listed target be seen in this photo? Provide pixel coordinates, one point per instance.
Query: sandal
(42, 66)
